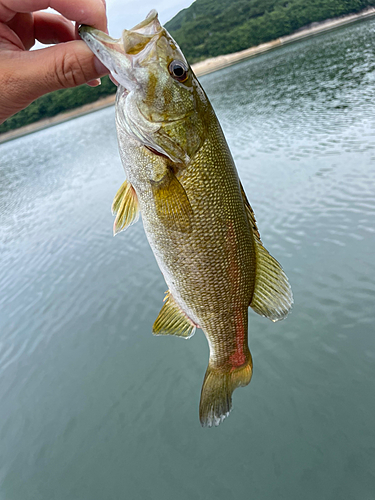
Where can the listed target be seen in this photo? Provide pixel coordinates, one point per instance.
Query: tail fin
(217, 389)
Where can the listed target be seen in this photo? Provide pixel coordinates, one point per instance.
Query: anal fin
(125, 206)
(173, 321)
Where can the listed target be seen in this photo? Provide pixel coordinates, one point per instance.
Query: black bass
(181, 177)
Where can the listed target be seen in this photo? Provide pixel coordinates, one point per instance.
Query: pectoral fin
(125, 205)
(173, 321)
(172, 203)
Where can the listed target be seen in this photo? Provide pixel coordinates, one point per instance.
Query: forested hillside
(207, 28)
(213, 27)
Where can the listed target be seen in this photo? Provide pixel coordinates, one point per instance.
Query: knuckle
(69, 71)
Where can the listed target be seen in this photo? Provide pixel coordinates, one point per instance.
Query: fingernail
(94, 83)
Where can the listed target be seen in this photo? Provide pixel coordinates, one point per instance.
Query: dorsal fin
(172, 320)
(250, 214)
(272, 296)
(125, 205)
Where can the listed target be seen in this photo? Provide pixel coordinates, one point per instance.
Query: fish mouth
(110, 51)
(122, 55)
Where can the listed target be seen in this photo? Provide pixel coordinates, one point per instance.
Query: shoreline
(201, 68)
(215, 63)
(60, 118)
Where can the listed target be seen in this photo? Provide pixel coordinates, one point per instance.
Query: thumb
(29, 75)
(61, 66)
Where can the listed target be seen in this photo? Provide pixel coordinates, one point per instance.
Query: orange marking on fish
(238, 358)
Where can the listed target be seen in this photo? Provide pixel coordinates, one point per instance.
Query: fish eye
(178, 70)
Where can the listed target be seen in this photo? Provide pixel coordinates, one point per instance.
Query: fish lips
(110, 51)
(123, 55)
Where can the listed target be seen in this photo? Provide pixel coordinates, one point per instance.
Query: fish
(181, 178)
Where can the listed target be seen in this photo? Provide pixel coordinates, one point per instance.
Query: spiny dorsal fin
(272, 295)
(171, 203)
(250, 214)
(125, 205)
(172, 320)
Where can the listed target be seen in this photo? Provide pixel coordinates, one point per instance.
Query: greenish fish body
(181, 177)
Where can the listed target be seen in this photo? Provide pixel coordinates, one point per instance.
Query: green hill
(213, 27)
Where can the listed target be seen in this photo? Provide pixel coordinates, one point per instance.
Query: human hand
(24, 75)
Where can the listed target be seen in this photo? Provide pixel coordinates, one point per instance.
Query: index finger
(91, 12)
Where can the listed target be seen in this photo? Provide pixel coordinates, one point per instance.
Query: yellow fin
(118, 198)
(125, 205)
(173, 321)
(217, 389)
(272, 295)
(171, 203)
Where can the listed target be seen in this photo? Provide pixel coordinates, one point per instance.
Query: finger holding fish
(26, 75)
(90, 12)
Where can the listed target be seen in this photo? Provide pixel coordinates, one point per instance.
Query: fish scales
(181, 178)
(195, 261)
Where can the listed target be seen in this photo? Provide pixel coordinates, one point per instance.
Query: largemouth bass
(181, 177)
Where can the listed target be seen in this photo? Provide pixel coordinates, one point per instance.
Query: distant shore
(201, 68)
(219, 62)
(60, 118)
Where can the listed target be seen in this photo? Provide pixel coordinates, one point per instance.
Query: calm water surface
(93, 406)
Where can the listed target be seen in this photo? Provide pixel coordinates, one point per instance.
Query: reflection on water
(93, 406)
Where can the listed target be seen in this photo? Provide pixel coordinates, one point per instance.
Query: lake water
(93, 407)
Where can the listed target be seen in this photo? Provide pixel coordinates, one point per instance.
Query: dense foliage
(207, 28)
(213, 27)
(56, 102)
